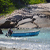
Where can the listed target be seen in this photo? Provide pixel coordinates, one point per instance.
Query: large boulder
(42, 22)
(27, 26)
(24, 21)
(7, 24)
(2, 21)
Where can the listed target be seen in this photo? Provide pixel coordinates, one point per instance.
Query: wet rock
(1, 31)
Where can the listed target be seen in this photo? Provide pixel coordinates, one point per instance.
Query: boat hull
(25, 34)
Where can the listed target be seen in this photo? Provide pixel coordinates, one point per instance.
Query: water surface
(40, 42)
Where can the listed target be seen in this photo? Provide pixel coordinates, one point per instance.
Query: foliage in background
(32, 1)
(9, 5)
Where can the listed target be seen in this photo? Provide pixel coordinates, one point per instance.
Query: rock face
(7, 25)
(1, 31)
(42, 21)
(27, 26)
(39, 15)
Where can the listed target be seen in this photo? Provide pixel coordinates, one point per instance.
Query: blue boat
(33, 33)
(25, 34)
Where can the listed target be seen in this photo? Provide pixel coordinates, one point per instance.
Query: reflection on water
(40, 42)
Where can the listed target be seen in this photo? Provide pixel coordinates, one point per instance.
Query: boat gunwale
(27, 32)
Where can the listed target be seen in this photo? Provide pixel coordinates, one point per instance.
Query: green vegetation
(36, 1)
(7, 6)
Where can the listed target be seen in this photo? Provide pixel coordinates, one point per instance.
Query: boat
(24, 34)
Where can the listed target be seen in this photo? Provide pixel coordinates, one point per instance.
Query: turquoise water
(40, 42)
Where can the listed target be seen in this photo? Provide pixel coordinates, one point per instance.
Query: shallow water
(40, 42)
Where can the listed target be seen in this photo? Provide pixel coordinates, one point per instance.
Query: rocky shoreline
(36, 15)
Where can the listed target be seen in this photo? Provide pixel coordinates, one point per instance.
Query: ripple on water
(40, 42)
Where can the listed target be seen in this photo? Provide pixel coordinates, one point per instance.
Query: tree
(4, 5)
